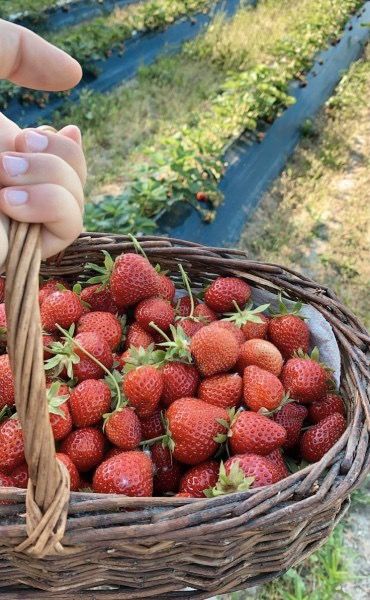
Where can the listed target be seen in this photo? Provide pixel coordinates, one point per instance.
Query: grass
(316, 217)
(183, 155)
(32, 7)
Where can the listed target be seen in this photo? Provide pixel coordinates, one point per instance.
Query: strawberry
(179, 380)
(194, 425)
(74, 476)
(129, 473)
(50, 286)
(276, 457)
(99, 298)
(85, 447)
(260, 353)
(288, 330)
(132, 279)
(183, 495)
(152, 426)
(3, 327)
(103, 323)
(61, 308)
(262, 389)
(199, 478)
(93, 343)
(251, 321)
(20, 476)
(318, 439)
(222, 390)
(123, 429)
(11, 445)
(224, 292)
(154, 310)
(237, 333)
(2, 289)
(143, 388)
(204, 314)
(6, 383)
(256, 330)
(59, 413)
(190, 326)
(183, 306)
(167, 471)
(89, 401)
(166, 287)
(112, 452)
(305, 379)
(291, 417)
(330, 404)
(252, 432)
(215, 350)
(259, 468)
(138, 337)
(6, 481)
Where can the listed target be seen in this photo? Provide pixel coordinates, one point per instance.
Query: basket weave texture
(56, 544)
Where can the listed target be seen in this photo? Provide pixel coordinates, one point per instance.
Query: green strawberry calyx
(119, 402)
(268, 413)
(166, 438)
(284, 311)
(104, 272)
(137, 357)
(247, 315)
(5, 413)
(54, 400)
(176, 349)
(235, 481)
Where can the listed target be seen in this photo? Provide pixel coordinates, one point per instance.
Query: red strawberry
(183, 306)
(166, 287)
(222, 390)
(291, 417)
(205, 314)
(215, 350)
(11, 445)
(190, 326)
(330, 404)
(20, 476)
(256, 330)
(85, 447)
(137, 336)
(260, 353)
(251, 432)
(3, 327)
(50, 286)
(179, 380)
(129, 473)
(288, 330)
(143, 388)
(237, 333)
(183, 495)
(152, 426)
(59, 413)
(103, 323)
(89, 401)
(123, 429)
(6, 383)
(200, 478)
(113, 452)
(224, 291)
(61, 308)
(99, 298)
(167, 471)
(318, 439)
(263, 470)
(133, 279)
(99, 348)
(252, 323)
(74, 475)
(2, 289)
(262, 389)
(6, 481)
(193, 425)
(304, 379)
(154, 310)
(276, 457)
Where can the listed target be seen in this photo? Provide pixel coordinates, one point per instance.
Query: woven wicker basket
(59, 545)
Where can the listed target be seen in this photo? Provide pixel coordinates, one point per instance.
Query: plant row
(98, 38)
(187, 165)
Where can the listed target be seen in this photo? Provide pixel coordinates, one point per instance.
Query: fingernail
(36, 142)
(16, 197)
(15, 165)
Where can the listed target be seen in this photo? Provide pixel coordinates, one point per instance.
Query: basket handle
(48, 487)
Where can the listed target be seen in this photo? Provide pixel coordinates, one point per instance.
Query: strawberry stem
(185, 279)
(160, 438)
(137, 245)
(163, 334)
(94, 359)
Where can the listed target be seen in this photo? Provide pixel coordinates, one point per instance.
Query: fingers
(28, 60)
(8, 133)
(66, 144)
(47, 203)
(19, 169)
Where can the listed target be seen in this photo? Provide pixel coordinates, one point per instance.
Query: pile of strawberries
(158, 391)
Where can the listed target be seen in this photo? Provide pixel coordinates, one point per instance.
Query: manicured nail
(15, 165)
(16, 197)
(36, 142)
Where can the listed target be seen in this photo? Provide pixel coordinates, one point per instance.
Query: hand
(49, 187)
